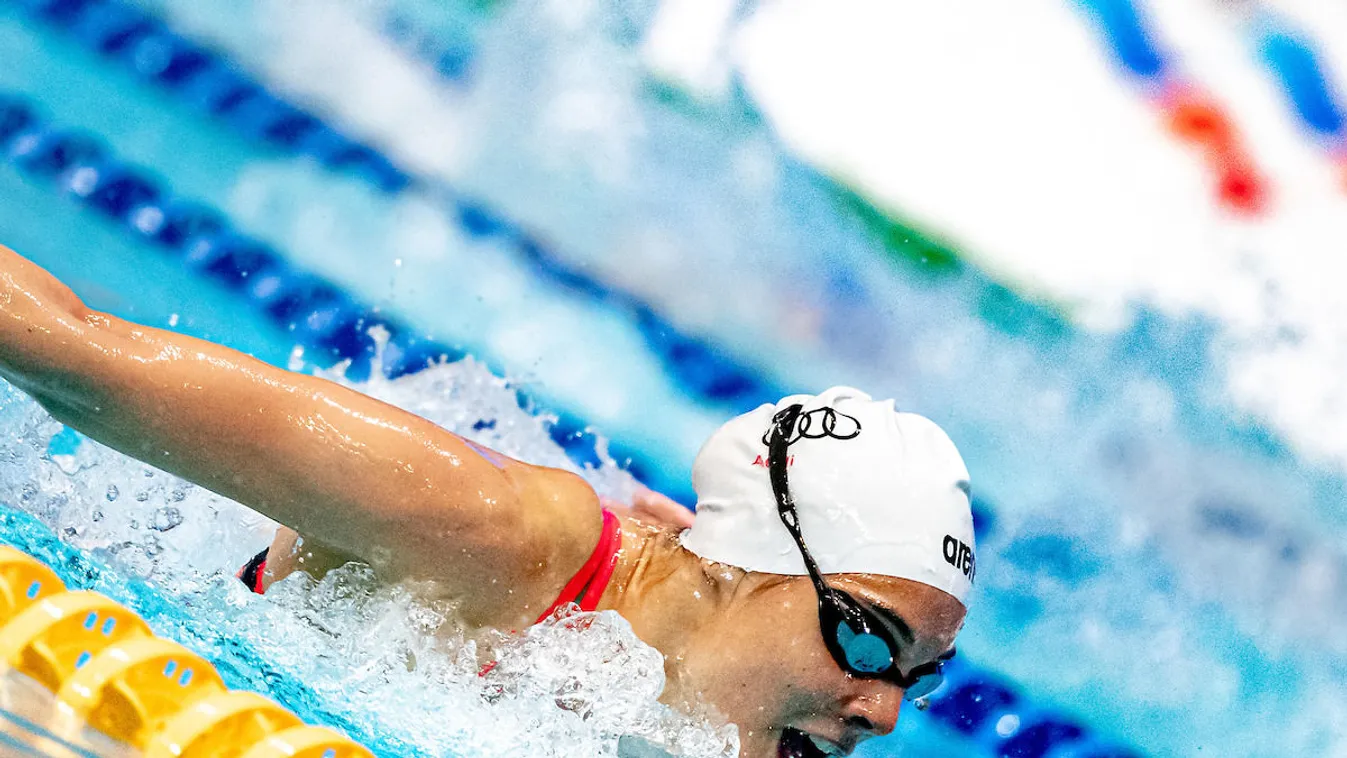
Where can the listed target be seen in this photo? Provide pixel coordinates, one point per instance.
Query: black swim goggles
(855, 635)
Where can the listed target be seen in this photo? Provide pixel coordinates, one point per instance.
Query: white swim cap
(878, 492)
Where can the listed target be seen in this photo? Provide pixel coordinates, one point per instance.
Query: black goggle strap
(830, 603)
(934, 668)
(782, 425)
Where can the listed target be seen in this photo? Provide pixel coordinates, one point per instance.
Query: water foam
(372, 659)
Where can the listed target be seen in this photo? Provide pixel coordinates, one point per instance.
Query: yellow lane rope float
(109, 670)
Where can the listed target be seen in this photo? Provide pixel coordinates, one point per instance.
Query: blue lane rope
(1296, 65)
(209, 84)
(330, 322)
(1129, 37)
(1290, 56)
(451, 59)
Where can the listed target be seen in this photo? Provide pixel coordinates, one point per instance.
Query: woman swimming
(823, 580)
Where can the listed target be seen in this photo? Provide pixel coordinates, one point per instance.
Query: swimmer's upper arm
(355, 473)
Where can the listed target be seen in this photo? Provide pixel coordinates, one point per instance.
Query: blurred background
(1099, 241)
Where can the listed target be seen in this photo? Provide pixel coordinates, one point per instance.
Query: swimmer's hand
(651, 507)
(358, 475)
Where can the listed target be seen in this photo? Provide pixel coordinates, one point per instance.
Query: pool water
(393, 673)
(29, 709)
(1178, 557)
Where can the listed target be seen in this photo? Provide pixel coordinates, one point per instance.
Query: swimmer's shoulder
(561, 509)
(559, 502)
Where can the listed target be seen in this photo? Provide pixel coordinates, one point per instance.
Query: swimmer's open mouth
(797, 744)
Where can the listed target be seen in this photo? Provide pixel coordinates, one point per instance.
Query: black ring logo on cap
(817, 424)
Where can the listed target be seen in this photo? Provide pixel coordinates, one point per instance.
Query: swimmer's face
(767, 670)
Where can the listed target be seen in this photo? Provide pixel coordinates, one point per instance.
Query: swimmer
(820, 585)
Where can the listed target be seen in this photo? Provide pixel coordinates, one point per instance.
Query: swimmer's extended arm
(345, 469)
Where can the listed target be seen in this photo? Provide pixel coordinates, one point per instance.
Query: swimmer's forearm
(39, 318)
(19, 273)
(199, 410)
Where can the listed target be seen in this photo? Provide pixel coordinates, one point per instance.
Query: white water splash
(372, 658)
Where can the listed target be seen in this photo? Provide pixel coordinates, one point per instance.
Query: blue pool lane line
(211, 85)
(331, 323)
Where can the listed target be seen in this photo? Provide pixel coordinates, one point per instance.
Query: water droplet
(166, 518)
(173, 320)
(113, 492)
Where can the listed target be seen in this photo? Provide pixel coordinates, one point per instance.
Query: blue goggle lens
(866, 653)
(924, 685)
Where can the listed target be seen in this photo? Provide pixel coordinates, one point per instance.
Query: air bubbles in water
(166, 518)
(391, 664)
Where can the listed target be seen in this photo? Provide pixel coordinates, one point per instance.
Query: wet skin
(746, 643)
(364, 480)
(750, 644)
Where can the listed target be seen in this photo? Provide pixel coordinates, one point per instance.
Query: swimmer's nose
(874, 709)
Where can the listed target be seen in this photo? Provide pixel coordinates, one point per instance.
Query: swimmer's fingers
(662, 507)
(652, 507)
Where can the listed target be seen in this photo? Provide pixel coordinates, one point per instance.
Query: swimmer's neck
(669, 595)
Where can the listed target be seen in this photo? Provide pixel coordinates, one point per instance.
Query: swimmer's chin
(796, 743)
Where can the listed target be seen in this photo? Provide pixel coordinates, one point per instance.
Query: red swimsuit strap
(584, 589)
(588, 584)
(251, 573)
